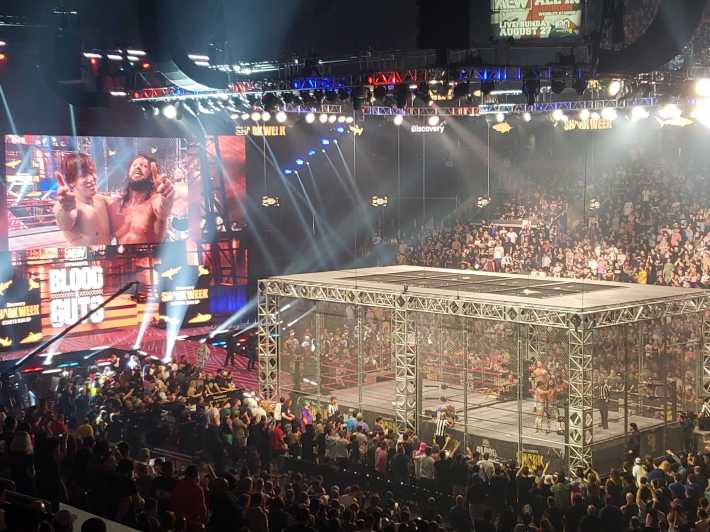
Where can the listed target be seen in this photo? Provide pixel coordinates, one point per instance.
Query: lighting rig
(265, 91)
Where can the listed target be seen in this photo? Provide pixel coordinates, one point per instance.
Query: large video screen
(91, 191)
(536, 19)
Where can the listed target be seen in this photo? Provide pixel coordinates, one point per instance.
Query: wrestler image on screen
(140, 214)
(178, 221)
(81, 213)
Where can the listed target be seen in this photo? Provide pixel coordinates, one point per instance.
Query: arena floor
(487, 417)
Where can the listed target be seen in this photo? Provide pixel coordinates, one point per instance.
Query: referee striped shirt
(604, 392)
(441, 423)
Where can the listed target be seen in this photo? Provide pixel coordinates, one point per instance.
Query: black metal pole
(29, 356)
(626, 383)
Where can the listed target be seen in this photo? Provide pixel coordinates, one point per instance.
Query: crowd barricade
(180, 460)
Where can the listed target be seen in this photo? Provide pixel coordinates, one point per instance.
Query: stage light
(156, 111)
(332, 119)
(500, 117)
(340, 129)
(701, 113)
(335, 141)
(145, 66)
(639, 113)
(93, 61)
(433, 120)
(379, 201)
(323, 118)
(299, 162)
(584, 114)
(310, 118)
(288, 171)
(245, 116)
(527, 117)
(594, 204)
(311, 153)
(398, 119)
(270, 201)
(349, 119)
(256, 116)
(595, 115)
(558, 114)
(669, 112)
(281, 117)
(609, 113)
(266, 116)
(324, 142)
(614, 87)
(482, 201)
(341, 119)
(702, 87)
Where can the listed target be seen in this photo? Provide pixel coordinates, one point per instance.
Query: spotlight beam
(289, 187)
(234, 318)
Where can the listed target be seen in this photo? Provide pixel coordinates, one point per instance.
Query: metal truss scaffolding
(526, 314)
(580, 420)
(535, 322)
(268, 311)
(404, 346)
(537, 337)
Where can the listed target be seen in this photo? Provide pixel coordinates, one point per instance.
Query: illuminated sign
(261, 131)
(20, 312)
(184, 296)
(536, 19)
(589, 125)
(75, 291)
(428, 129)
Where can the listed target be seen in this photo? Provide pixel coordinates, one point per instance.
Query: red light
(3, 56)
(93, 60)
(145, 66)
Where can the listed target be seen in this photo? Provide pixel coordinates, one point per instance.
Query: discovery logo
(428, 129)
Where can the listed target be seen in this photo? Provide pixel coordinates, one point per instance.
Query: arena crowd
(263, 466)
(651, 226)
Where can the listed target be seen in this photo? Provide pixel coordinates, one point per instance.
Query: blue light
(324, 142)
(340, 129)
(288, 171)
(311, 153)
(299, 162)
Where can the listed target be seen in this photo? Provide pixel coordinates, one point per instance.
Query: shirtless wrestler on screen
(81, 213)
(140, 214)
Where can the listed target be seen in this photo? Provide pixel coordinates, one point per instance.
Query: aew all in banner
(536, 19)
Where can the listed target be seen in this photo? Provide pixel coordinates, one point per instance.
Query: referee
(442, 422)
(604, 403)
